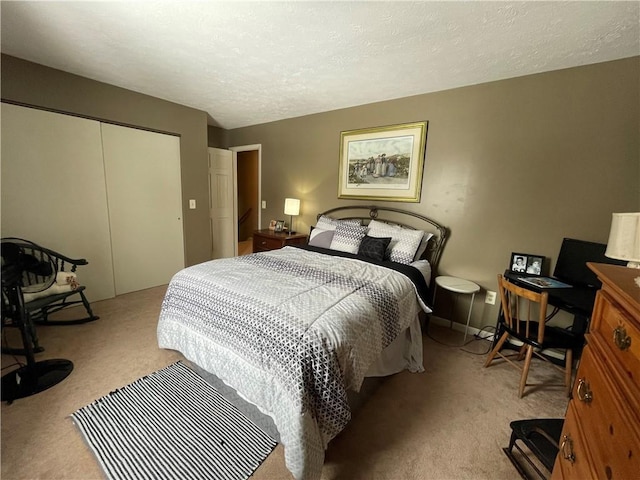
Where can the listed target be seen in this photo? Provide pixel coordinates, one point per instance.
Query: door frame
(248, 148)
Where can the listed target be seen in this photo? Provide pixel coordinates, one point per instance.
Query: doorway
(248, 194)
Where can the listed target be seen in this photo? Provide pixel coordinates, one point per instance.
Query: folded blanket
(52, 290)
(67, 278)
(65, 282)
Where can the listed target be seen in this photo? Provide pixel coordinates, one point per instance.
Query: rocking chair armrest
(64, 258)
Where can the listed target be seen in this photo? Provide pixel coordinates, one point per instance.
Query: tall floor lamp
(291, 208)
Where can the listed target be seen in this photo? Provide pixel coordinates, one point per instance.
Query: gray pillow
(328, 223)
(321, 238)
(347, 237)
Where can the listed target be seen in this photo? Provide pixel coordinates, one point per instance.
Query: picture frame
(383, 163)
(526, 263)
(279, 226)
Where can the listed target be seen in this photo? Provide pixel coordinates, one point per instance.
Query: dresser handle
(566, 447)
(584, 392)
(620, 338)
(263, 243)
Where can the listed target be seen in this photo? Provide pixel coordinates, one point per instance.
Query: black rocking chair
(48, 284)
(34, 376)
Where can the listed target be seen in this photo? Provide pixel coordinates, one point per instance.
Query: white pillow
(404, 241)
(423, 245)
(328, 223)
(347, 237)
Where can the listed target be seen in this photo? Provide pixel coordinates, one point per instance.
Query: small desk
(578, 301)
(458, 285)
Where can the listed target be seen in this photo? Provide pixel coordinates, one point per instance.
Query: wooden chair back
(521, 307)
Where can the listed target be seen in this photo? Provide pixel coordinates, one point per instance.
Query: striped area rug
(172, 424)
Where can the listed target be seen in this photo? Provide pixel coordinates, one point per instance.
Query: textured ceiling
(247, 63)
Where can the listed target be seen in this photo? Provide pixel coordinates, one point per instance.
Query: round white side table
(457, 285)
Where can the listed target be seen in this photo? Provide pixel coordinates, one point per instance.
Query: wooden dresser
(601, 434)
(264, 240)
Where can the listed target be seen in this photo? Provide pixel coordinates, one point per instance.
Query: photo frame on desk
(279, 226)
(529, 263)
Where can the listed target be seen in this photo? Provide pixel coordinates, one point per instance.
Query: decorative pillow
(347, 237)
(321, 238)
(328, 223)
(374, 247)
(404, 241)
(423, 245)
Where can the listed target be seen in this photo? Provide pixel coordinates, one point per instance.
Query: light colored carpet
(450, 422)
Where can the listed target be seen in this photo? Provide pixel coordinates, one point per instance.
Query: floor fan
(34, 376)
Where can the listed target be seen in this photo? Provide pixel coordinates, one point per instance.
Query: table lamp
(624, 238)
(291, 208)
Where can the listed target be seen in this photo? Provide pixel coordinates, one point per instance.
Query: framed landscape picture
(383, 163)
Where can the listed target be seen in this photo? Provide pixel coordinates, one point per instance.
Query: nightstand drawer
(261, 243)
(265, 240)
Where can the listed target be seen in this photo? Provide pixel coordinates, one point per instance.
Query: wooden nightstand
(265, 240)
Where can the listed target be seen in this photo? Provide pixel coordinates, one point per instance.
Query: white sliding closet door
(145, 206)
(53, 189)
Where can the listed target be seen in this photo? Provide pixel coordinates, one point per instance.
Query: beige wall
(217, 137)
(35, 85)
(514, 165)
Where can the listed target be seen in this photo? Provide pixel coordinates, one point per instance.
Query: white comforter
(291, 330)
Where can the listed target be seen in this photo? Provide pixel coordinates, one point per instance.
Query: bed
(294, 330)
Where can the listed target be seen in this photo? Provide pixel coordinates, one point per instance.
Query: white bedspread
(291, 330)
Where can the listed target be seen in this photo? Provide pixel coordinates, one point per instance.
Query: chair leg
(522, 352)
(496, 349)
(567, 372)
(525, 369)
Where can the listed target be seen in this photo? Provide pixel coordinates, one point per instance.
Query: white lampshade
(624, 238)
(291, 206)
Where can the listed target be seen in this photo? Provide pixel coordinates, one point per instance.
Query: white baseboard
(459, 327)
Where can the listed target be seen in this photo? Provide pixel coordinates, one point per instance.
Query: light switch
(264, 204)
(192, 204)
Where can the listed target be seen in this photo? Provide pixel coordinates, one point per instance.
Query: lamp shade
(291, 206)
(624, 237)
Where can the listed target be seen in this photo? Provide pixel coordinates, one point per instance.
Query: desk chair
(524, 318)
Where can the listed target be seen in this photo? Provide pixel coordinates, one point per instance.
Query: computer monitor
(571, 266)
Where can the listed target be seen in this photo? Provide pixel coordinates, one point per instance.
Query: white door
(224, 218)
(144, 198)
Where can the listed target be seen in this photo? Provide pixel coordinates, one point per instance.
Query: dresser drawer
(607, 423)
(620, 337)
(573, 461)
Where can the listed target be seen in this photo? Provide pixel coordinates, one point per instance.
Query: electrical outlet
(490, 298)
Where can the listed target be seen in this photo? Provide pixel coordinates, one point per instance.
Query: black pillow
(374, 247)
